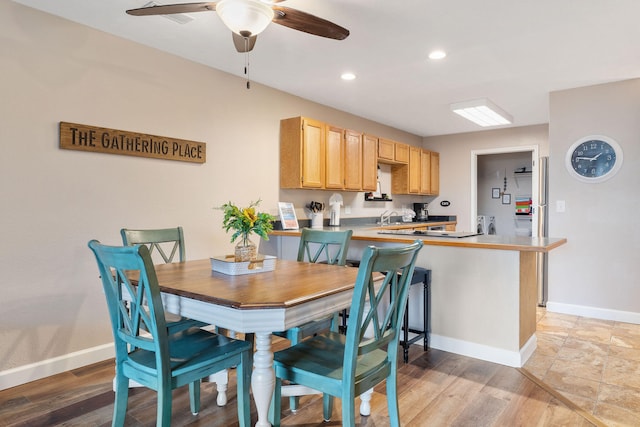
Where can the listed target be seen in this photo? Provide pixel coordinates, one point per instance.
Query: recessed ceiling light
(348, 76)
(437, 54)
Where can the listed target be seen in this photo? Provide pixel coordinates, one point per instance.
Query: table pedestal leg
(263, 377)
(365, 403)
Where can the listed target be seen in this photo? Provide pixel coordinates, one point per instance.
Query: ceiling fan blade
(168, 9)
(308, 23)
(243, 44)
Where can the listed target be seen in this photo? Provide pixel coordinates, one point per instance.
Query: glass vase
(246, 250)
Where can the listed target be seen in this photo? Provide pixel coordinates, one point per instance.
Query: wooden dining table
(270, 301)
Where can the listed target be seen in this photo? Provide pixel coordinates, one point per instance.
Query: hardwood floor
(435, 388)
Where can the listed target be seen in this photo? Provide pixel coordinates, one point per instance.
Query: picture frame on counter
(506, 199)
(288, 216)
(495, 193)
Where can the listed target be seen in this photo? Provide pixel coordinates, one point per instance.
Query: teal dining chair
(167, 243)
(318, 246)
(347, 366)
(145, 350)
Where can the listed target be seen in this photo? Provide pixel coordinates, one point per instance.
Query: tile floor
(594, 363)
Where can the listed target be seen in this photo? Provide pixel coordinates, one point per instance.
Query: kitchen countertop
(510, 243)
(371, 222)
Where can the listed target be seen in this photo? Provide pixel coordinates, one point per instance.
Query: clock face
(594, 158)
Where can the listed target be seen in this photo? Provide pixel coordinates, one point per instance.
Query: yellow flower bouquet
(243, 222)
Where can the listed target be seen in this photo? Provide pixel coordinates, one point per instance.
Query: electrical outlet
(347, 210)
(560, 206)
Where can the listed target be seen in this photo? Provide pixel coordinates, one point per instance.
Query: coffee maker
(422, 213)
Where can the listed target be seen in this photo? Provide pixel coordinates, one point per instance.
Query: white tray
(226, 264)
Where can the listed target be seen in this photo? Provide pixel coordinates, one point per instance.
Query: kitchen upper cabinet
(302, 153)
(430, 170)
(369, 163)
(335, 158)
(402, 153)
(352, 160)
(361, 162)
(415, 163)
(435, 173)
(316, 155)
(392, 152)
(425, 172)
(386, 150)
(420, 176)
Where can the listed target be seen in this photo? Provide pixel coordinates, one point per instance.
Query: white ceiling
(512, 52)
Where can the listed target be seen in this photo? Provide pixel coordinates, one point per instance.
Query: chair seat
(196, 348)
(323, 357)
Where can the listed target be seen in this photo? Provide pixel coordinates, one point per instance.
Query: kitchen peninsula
(483, 289)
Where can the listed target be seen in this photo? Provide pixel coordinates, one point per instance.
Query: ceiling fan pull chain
(246, 63)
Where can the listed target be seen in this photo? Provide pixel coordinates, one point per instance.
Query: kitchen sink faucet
(386, 217)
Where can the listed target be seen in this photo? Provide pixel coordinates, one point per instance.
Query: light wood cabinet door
(313, 162)
(369, 163)
(302, 153)
(401, 153)
(386, 150)
(334, 166)
(435, 173)
(352, 160)
(415, 164)
(392, 152)
(425, 172)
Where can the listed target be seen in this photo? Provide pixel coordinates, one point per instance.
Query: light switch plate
(560, 206)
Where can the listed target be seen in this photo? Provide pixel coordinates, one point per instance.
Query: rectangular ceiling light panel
(482, 112)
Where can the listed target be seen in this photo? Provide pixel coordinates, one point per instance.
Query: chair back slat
(385, 301)
(324, 246)
(167, 242)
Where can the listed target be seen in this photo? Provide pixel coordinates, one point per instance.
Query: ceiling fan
(247, 18)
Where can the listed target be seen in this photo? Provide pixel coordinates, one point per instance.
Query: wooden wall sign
(74, 136)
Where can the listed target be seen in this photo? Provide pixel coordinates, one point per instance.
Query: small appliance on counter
(335, 202)
(422, 213)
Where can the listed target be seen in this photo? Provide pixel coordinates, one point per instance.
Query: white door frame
(535, 180)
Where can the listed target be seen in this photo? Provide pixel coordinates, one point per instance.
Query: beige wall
(597, 272)
(54, 201)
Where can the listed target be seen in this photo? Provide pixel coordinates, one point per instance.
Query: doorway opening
(502, 169)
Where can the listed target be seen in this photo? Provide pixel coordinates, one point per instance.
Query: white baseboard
(594, 312)
(527, 350)
(515, 359)
(45, 368)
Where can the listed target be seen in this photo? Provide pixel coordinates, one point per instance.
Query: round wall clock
(594, 158)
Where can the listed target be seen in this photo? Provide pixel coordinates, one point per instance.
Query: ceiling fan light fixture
(245, 17)
(482, 112)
